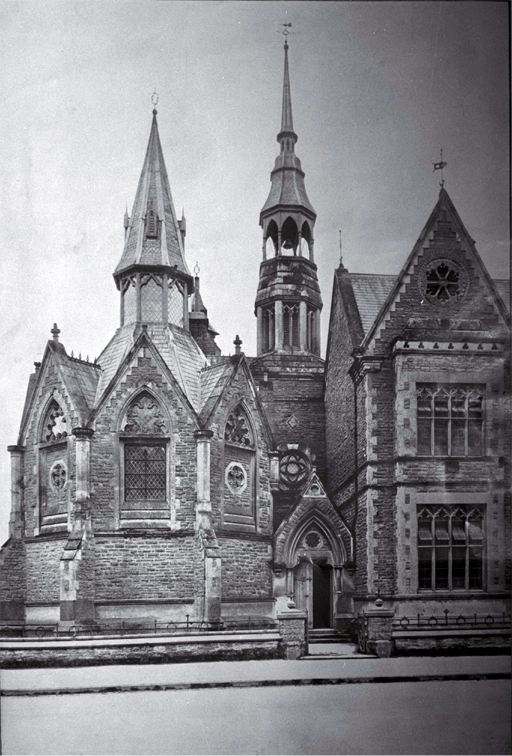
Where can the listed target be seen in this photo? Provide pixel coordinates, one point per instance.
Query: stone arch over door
(311, 550)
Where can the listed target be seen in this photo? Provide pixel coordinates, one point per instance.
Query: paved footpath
(306, 671)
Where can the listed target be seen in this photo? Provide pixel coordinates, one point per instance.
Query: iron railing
(125, 627)
(452, 621)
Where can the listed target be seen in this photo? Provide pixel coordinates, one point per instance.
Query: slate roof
(153, 192)
(213, 381)
(177, 348)
(372, 289)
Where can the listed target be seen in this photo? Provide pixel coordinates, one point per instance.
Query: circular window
(236, 478)
(294, 468)
(58, 475)
(313, 540)
(443, 282)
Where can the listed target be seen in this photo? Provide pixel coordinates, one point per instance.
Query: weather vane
(285, 31)
(439, 167)
(154, 99)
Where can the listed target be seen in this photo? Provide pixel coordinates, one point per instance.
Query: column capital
(203, 434)
(15, 449)
(82, 432)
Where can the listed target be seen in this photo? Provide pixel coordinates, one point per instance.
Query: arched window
(144, 474)
(54, 469)
(310, 325)
(291, 329)
(238, 509)
(268, 328)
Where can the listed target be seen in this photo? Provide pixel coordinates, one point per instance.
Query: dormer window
(151, 224)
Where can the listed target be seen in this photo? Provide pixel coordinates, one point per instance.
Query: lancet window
(238, 509)
(291, 325)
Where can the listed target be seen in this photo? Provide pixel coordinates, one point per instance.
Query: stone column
(260, 340)
(83, 483)
(16, 519)
(203, 503)
(185, 307)
(279, 325)
(138, 294)
(211, 607)
(303, 325)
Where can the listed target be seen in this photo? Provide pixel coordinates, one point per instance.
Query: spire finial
(196, 269)
(238, 343)
(154, 100)
(285, 33)
(439, 167)
(341, 250)
(55, 332)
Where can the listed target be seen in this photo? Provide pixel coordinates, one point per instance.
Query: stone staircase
(329, 643)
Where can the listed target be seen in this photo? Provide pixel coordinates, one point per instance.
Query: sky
(378, 88)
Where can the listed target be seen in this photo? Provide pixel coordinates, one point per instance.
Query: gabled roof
(164, 248)
(79, 379)
(374, 293)
(177, 348)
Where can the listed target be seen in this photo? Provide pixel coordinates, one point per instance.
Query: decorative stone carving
(237, 428)
(55, 426)
(58, 475)
(294, 468)
(236, 478)
(144, 416)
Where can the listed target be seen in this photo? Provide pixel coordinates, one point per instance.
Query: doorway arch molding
(311, 513)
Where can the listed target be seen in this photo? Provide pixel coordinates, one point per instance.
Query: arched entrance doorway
(316, 576)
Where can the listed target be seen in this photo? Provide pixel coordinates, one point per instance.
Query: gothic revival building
(166, 479)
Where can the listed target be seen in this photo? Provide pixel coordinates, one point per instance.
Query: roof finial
(55, 332)
(196, 269)
(238, 343)
(439, 167)
(154, 100)
(341, 251)
(285, 33)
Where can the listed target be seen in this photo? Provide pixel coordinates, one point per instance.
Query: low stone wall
(76, 653)
(451, 642)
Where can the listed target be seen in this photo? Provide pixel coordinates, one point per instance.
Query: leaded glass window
(144, 472)
(450, 548)
(450, 419)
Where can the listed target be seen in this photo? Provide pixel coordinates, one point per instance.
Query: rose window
(313, 540)
(58, 476)
(236, 478)
(443, 282)
(294, 468)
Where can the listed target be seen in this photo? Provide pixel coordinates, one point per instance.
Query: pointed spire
(286, 117)
(153, 236)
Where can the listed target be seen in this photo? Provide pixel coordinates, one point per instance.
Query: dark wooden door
(321, 595)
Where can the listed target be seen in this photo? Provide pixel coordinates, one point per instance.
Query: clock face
(443, 282)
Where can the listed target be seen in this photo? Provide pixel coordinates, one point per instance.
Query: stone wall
(246, 569)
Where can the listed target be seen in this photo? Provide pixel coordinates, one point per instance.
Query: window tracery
(238, 429)
(55, 424)
(144, 415)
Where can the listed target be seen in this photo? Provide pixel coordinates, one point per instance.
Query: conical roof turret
(153, 238)
(287, 189)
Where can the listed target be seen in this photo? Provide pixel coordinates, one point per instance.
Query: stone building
(166, 479)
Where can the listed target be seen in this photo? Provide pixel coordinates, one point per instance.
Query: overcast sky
(377, 89)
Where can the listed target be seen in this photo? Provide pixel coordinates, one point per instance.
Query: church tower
(288, 368)
(288, 301)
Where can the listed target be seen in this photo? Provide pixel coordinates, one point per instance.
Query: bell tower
(288, 301)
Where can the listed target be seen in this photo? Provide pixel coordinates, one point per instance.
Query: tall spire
(288, 301)
(153, 238)
(286, 117)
